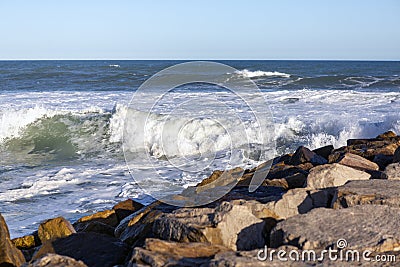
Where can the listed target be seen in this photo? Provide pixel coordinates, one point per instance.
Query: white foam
(259, 73)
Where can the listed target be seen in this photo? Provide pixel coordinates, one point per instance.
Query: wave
(258, 73)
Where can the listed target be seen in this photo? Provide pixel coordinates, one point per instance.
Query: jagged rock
(231, 224)
(386, 135)
(324, 151)
(26, 242)
(221, 178)
(335, 174)
(107, 216)
(303, 155)
(294, 181)
(165, 253)
(299, 201)
(396, 156)
(126, 208)
(9, 255)
(378, 192)
(372, 227)
(91, 248)
(383, 160)
(55, 228)
(393, 171)
(94, 226)
(55, 260)
(357, 162)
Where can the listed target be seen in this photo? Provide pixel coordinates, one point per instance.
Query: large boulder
(393, 171)
(27, 241)
(55, 260)
(357, 162)
(365, 227)
(55, 228)
(91, 248)
(158, 253)
(330, 175)
(9, 255)
(126, 208)
(304, 155)
(378, 192)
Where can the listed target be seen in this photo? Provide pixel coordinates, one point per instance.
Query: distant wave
(114, 66)
(259, 73)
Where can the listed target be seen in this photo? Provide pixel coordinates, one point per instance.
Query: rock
(377, 175)
(55, 260)
(377, 192)
(294, 181)
(324, 151)
(107, 216)
(393, 171)
(165, 253)
(231, 224)
(94, 226)
(126, 208)
(91, 248)
(335, 174)
(299, 201)
(383, 160)
(357, 162)
(55, 228)
(372, 227)
(396, 156)
(26, 242)
(9, 255)
(386, 135)
(221, 178)
(303, 155)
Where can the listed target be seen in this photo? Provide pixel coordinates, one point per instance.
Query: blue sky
(219, 29)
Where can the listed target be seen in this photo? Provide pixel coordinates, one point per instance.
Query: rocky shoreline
(308, 201)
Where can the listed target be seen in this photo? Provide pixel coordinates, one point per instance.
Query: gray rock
(330, 175)
(378, 192)
(303, 155)
(396, 156)
(55, 260)
(393, 171)
(372, 227)
(9, 254)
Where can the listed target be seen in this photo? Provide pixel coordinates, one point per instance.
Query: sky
(218, 29)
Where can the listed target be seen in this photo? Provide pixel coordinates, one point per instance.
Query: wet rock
(126, 208)
(377, 175)
(107, 216)
(393, 171)
(330, 175)
(165, 253)
(9, 255)
(372, 227)
(357, 162)
(55, 228)
(377, 192)
(324, 151)
(94, 226)
(303, 155)
(55, 260)
(221, 178)
(294, 181)
(387, 135)
(91, 248)
(396, 156)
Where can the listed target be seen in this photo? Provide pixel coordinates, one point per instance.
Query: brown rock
(357, 162)
(330, 175)
(25, 242)
(221, 178)
(377, 192)
(93, 249)
(94, 226)
(55, 260)
(126, 208)
(324, 151)
(364, 227)
(9, 255)
(294, 181)
(107, 216)
(55, 228)
(386, 135)
(303, 155)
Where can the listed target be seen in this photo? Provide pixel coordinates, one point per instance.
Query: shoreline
(303, 191)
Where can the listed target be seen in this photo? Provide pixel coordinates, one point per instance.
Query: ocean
(61, 125)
